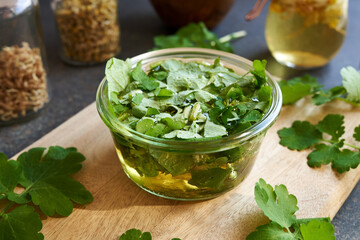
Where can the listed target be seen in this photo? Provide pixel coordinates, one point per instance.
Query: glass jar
(186, 170)
(89, 30)
(23, 79)
(306, 34)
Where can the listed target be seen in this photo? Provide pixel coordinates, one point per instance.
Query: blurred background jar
(23, 79)
(305, 34)
(178, 13)
(89, 30)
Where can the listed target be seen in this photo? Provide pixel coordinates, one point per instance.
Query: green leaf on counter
(300, 136)
(45, 177)
(356, 134)
(303, 135)
(318, 230)
(22, 223)
(280, 207)
(135, 234)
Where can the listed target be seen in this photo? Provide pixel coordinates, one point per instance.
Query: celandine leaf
(301, 135)
(22, 223)
(270, 231)
(317, 230)
(357, 133)
(278, 204)
(345, 160)
(47, 177)
(135, 234)
(323, 154)
(332, 124)
(9, 176)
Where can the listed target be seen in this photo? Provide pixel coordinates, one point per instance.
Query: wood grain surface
(119, 204)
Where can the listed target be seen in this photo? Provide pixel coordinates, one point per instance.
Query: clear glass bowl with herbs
(187, 123)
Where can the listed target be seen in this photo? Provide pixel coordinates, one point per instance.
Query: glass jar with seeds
(89, 30)
(23, 80)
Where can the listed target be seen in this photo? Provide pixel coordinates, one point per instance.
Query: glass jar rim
(200, 53)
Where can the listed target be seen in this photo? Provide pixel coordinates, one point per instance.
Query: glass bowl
(188, 170)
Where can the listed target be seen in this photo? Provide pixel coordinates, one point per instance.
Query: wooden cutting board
(119, 204)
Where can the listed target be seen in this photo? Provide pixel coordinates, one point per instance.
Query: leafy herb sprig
(299, 87)
(197, 35)
(280, 207)
(136, 234)
(45, 179)
(304, 135)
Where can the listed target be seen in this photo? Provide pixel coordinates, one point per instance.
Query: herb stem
(353, 146)
(6, 208)
(348, 101)
(346, 144)
(232, 36)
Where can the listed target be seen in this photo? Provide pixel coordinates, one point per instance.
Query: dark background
(73, 88)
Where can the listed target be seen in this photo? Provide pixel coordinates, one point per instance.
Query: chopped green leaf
(259, 72)
(137, 98)
(118, 76)
(151, 112)
(265, 93)
(163, 92)
(211, 178)
(158, 130)
(144, 124)
(213, 130)
(146, 82)
(252, 116)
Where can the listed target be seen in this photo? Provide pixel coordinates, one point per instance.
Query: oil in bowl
(188, 126)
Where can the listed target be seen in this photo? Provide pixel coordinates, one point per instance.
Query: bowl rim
(259, 127)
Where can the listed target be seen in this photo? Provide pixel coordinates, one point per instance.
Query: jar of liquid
(23, 78)
(89, 30)
(306, 34)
